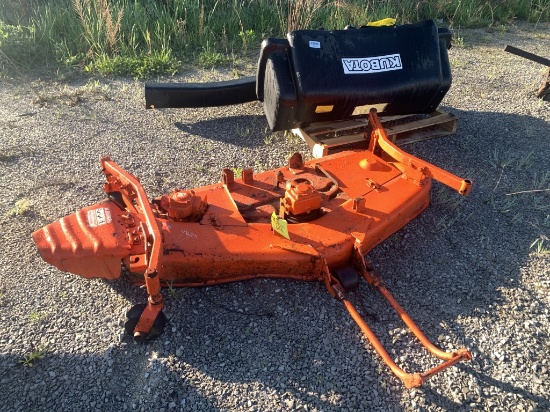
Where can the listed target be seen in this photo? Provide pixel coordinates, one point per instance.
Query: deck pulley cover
(302, 203)
(183, 205)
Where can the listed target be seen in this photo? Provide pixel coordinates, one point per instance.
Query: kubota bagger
(311, 221)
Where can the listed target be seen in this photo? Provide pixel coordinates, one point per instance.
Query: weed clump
(137, 66)
(34, 356)
(22, 207)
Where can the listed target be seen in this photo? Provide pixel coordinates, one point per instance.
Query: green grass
(36, 317)
(238, 171)
(209, 58)
(172, 291)
(150, 65)
(34, 356)
(541, 245)
(146, 38)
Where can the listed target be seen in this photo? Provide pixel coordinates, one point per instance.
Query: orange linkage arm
(151, 275)
(463, 186)
(411, 380)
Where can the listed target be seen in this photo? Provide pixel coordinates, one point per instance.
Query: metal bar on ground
(526, 55)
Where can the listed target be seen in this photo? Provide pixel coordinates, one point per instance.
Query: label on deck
(279, 225)
(98, 217)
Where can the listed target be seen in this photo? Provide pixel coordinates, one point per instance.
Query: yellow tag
(384, 22)
(324, 109)
(279, 225)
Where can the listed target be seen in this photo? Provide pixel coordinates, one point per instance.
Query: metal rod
(411, 380)
(527, 55)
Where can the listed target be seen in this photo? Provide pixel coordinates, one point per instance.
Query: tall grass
(101, 26)
(150, 37)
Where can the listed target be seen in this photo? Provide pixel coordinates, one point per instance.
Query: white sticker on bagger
(359, 65)
(314, 44)
(98, 217)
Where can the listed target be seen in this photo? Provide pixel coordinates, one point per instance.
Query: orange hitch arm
(411, 380)
(379, 137)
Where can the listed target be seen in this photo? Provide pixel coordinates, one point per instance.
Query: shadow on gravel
(212, 351)
(485, 381)
(285, 340)
(244, 131)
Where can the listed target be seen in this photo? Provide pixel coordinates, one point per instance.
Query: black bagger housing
(325, 75)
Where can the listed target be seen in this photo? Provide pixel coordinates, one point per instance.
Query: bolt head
(182, 196)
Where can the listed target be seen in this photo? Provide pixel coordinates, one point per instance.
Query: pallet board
(329, 136)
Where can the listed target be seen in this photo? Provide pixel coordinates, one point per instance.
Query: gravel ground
(464, 269)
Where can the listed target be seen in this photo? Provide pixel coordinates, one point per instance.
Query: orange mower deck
(311, 221)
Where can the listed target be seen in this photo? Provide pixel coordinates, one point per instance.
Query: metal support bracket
(119, 179)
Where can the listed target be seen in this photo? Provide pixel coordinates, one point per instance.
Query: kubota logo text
(372, 64)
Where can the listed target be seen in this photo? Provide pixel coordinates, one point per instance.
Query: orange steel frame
(365, 196)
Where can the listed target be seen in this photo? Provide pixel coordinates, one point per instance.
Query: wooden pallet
(325, 137)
